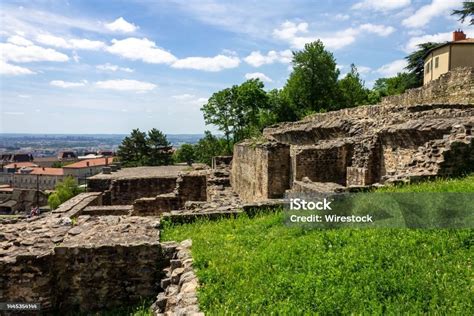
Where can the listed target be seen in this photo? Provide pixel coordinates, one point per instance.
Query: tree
(142, 149)
(239, 111)
(416, 62)
(351, 89)
(63, 191)
(465, 12)
(312, 85)
(251, 101)
(158, 148)
(210, 146)
(186, 153)
(220, 111)
(395, 85)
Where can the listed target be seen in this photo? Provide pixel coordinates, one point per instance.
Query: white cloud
(216, 63)
(30, 53)
(14, 113)
(413, 42)
(12, 70)
(183, 97)
(378, 29)
(256, 58)
(363, 70)
(381, 5)
(121, 25)
(126, 85)
(427, 12)
(291, 33)
(56, 41)
(110, 67)
(24, 96)
(199, 101)
(140, 49)
(67, 84)
(393, 68)
(258, 75)
(341, 17)
(19, 40)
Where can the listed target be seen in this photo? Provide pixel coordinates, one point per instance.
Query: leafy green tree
(351, 90)
(251, 101)
(158, 148)
(210, 146)
(186, 153)
(142, 149)
(221, 112)
(416, 62)
(63, 191)
(466, 12)
(395, 85)
(312, 86)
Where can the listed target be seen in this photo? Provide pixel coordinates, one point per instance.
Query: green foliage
(466, 12)
(185, 154)
(395, 85)
(206, 148)
(351, 90)
(239, 111)
(312, 85)
(260, 266)
(210, 146)
(416, 63)
(465, 184)
(57, 164)
(63, 191)
(145, 149)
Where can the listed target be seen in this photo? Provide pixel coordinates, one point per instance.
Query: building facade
(443, 58)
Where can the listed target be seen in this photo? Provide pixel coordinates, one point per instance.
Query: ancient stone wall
(260, 172)
(188, 187)
(80, 265)
(456, 86)
(424, 132)
(321, 163)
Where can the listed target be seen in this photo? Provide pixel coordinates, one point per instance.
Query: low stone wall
(189, 187)
(82, 265)
(180, 283)
(107, 210)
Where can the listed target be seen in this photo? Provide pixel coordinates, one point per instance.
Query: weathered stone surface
(180, 292)
(425, 132)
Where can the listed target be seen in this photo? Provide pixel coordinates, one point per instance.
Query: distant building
(38, 178)
(67, 156)
(443, 58)
(86, 168)
(8, 158)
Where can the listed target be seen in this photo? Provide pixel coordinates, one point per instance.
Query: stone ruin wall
(425, 132)
(260, 172)
(188, 187)
(126, 191)
(454, 87)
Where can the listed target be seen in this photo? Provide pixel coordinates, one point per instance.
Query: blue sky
(111, 66)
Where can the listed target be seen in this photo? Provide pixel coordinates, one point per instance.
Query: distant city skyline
(107, 67)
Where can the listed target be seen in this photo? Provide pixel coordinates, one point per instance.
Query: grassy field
(260, 266)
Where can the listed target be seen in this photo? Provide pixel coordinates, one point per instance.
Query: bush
(64, 190)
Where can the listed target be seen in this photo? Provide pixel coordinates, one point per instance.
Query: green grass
(260, 266)
(465, 184)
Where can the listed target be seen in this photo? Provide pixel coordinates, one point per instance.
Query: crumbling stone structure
(426, 132)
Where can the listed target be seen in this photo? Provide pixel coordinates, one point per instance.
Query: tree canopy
(145, 149)
(466, 12)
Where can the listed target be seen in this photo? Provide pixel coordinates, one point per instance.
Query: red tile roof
(45, 171)
(20, 165)
(96, 162)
